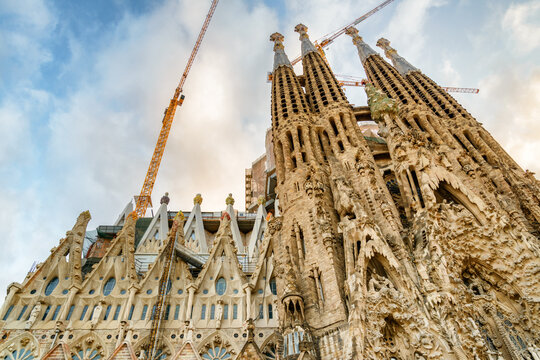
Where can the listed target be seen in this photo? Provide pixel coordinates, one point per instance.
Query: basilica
(399, 230)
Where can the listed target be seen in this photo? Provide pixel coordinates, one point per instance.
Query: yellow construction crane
(144, 199)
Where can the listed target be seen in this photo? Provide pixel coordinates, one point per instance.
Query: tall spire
(280, 58)
(364, 50)
(402, 65)
(322, 88)
(307, 45)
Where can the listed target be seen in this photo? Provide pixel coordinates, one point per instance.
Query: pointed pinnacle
(280, 58)
(402, 65)
(307, 45)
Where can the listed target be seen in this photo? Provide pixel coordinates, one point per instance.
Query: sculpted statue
(219, 312)
(96, 315)
(33, 315)
(142, 355)
(377, 283)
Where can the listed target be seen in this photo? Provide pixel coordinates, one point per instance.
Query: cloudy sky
(83, 86)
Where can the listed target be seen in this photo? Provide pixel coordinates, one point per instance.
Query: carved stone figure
(402, 230)
(96, 315)
(36, 310)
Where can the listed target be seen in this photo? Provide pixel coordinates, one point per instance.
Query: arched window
(109, 286)
(21, 354)
(221, 286)
(89, 353)
(217, 353)
(270, 351)
(169, 286)
(51, 286)
(273, 286)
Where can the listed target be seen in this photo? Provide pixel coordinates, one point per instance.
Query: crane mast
(144, 199)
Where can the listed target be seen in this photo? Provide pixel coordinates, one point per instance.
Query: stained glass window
(21, 354)
(221, 286)
(273, 286)
(217, 353)
(109, 286)
(51, 286)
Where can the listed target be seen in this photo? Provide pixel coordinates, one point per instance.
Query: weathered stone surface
(419, 242)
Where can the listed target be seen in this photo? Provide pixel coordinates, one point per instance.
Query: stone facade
(419, 242)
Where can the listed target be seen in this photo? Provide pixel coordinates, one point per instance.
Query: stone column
(191, 291)
(132, 291)
(73, 290)
(247, 289)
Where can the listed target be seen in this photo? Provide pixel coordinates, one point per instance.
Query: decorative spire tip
(402, 65)
(280, 58)
(307, 45)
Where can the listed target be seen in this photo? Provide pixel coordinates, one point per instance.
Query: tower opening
(445, 192)
(417, 188)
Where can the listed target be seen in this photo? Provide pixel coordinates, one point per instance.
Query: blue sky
(83, 86)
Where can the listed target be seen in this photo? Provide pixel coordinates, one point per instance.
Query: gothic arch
(394, 340)
(446, 192)
(482, 271)
(21, 347)
(218, 344)
(165, 346)
(88, 347)
(269, 346)
(500, 312)
(377, 267)
(447, 184)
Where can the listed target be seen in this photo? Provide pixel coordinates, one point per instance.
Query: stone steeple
(290, 114)
(280, 58)
(307, 45)
(441, 119)
(322, 88)
(382, 74)
(402, 65)
(364, 50)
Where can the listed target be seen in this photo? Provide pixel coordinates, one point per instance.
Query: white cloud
(104, 133)
(26, 23)
(406, 27)
(509, 107)
(451, 75)
(15, 129)
(100, 137)
(522, 22)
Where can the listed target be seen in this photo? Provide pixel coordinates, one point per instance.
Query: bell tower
(310, 265)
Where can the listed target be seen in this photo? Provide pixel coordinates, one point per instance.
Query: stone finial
(353, 32)
(280, 58)
(385, 45)
(364, 50)
(250, 329)
(165, 199)
(301, 29)
(401, 65)
(379, 103)
(179, 216)
(277, 38)
(197, 199)
(261, 200)
(229, 200)
(307, 45)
